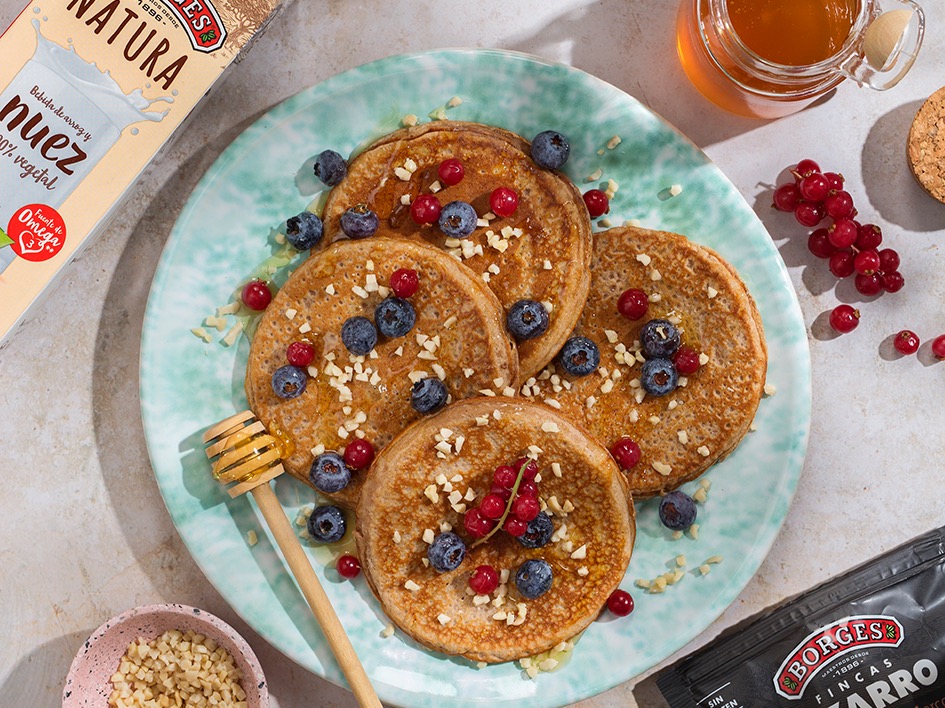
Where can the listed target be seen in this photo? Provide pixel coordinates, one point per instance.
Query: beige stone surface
(85, 531)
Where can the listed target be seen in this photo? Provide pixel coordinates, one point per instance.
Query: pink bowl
(88, 683)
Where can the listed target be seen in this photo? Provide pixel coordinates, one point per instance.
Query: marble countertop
(86, 532)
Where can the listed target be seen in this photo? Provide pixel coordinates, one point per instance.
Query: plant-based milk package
(89, 92)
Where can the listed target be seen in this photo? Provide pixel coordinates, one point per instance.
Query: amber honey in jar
(769, 58)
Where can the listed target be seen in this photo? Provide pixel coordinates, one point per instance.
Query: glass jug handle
(888, 46)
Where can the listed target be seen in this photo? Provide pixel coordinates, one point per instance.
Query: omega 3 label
(871, 638)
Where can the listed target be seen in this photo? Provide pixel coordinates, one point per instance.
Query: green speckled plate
(224, 233)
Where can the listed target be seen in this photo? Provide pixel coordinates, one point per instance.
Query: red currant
(893, 282)
(804, 168)
(515, 526)
(906, 342)
(501, 491)
(938, 346)
(866, 262)
(834, 180)
(819, 244)
(505, 476)
(888, 260)
(531, 468)
(626, 452)
(503, 201)
(404, 282)
(425, 209)
(809, 213)
(839, 205)
(841, 263)
(868, 284)
(484, 580)
(359, 454)
(597, 202)
(348, 566)
(476, 524)
(786, 196)
(620, 603)
(300, 353)
(451, 171)
(256, 295)
(844, 318)
(842, 233)
(528, 488)
(525, 508)
(686, 360)
(813, 187)
(492, 506)
(633, 304)
(868, 237)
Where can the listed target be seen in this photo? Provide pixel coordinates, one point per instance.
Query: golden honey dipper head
(240, 449)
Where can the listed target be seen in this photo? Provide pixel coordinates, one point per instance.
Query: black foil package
(873, 637)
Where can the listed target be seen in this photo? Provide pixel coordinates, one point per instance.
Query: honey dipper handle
(315, 595)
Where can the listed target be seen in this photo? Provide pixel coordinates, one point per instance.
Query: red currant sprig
(851, 247)
(510, 504)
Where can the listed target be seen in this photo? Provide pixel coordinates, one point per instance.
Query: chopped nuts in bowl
(158, 655)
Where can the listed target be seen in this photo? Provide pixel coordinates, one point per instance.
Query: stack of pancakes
(508, 399)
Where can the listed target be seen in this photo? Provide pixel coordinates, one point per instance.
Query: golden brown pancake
(541, 252)
(684, 432)
(459, 336)
(583, 490)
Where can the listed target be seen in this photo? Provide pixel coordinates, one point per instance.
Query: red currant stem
(508, 506)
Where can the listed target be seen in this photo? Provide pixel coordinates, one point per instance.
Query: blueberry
(446, 552)
(359, 222)
(659, 338)
(538, 532)
(289, 381)
(458, 219)
(579, 356)
(329, 473)
(326, 524)
(659, 377)
(304, 230)
(533, 578)
(330, 167)
(527, 319)
(394, 317)
(550, 149)
(359, 335)
(677, 511)
(428, 395)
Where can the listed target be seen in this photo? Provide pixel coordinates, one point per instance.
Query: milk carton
(89, 92)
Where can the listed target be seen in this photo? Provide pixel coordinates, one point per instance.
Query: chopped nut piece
(444, 619)
(428, 535)
(411, 585)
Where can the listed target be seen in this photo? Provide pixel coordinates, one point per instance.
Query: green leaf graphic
(890, 632)
(4, 239)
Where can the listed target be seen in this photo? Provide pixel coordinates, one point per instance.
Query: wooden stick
(315, 595)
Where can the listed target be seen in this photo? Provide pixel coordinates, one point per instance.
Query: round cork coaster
(926, 146)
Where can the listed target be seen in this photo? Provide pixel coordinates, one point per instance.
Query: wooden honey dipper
(242, 450)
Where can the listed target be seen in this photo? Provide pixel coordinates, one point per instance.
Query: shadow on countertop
(635, 42)
(890, 185)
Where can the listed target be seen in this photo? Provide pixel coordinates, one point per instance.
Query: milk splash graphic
(58, 117)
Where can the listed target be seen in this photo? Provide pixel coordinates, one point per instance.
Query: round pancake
(680, 434)
(541, 252)
(395, 511)
(348, 396)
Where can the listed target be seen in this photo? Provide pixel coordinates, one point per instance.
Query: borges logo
(205, 29)
(828, 643)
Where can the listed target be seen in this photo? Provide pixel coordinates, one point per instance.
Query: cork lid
(926, 145)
